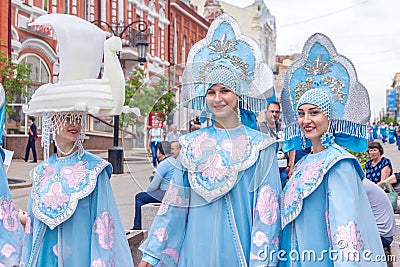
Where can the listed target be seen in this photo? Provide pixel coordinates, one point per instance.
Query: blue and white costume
(221, 208)
(11, 232)
(326, 216)
(73, 219)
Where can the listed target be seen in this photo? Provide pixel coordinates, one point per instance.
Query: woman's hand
(144, 264)
(23, 216)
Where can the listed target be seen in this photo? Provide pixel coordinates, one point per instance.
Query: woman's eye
(210, 92)
(301, 114)
(315, 112)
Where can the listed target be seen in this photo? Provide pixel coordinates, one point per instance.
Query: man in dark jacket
(31, 141)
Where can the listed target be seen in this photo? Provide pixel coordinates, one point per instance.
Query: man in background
(31, 140)
(272, 127)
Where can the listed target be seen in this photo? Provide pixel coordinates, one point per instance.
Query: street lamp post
(115, 154)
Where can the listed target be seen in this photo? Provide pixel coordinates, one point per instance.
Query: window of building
(17, 122)
(183, 49)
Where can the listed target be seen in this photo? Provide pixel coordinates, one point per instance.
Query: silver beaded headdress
(321, 67)
(227, 57)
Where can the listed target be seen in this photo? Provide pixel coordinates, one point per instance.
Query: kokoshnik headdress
(227, 57)
(324, 78)
(78, 91)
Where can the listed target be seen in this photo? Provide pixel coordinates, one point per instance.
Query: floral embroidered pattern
(9, 215)
(48, 173)
(259, 239)
(104, 227)
(28, 225)
(98, 263)
(171, 197)
(7, 250)
(310, 172)
(213, 169)
(55, 250)
(74, 175)
(55, 197)
(291, 194)
(202, 143)
(174, 254)
(267, 205)
(348, 240)
(161, 234)
(236, 147)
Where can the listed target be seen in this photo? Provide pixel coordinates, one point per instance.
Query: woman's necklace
(62, 152)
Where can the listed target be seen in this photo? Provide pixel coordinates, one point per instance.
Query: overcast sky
(365, 31)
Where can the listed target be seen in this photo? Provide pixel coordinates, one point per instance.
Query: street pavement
(137, 170)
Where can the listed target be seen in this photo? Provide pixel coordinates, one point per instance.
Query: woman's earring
(327, 139)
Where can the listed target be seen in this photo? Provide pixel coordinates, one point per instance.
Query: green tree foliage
(15, 78)
(148, 98)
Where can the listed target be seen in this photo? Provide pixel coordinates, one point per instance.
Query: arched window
(17, 122)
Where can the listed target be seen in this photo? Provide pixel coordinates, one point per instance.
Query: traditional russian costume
(326, 216)
(221, 208)
(73, 219)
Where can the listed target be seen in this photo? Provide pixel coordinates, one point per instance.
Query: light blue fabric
(11, 232)
(162, 176)
(232, 230)
(324, 207)
(92, 234)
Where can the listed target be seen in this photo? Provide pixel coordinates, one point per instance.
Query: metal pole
(115, 154)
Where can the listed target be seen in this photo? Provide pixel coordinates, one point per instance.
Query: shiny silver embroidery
(74, 197)
(231, 176)
(335, 155)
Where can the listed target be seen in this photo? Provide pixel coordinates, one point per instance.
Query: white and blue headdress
(324, 78)
(227, 57)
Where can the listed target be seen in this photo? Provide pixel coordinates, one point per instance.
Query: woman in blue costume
(325, 213)
(383, 129)
(374, 131)
(73, 219)
(221, 206)
(11, 231)
(391, 133)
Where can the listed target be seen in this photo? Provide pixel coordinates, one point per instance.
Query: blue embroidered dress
(221, 208)
(326, 217)
(11, 232)
(391, 134)
(73, 219)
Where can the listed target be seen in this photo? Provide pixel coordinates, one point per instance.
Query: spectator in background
(154, 138)
(391, 134)
(383, 213)
(383, 131)
(159, 182)
(272, 126)
(397, 135)
(194, 124)
(173, 134)
(378, 168)
(175, 149)
(31, 140)
(374, 131)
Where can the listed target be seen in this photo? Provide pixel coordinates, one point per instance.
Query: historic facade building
(172, 27)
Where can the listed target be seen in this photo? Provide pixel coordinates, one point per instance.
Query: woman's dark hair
(376, 145)
(165, 148)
